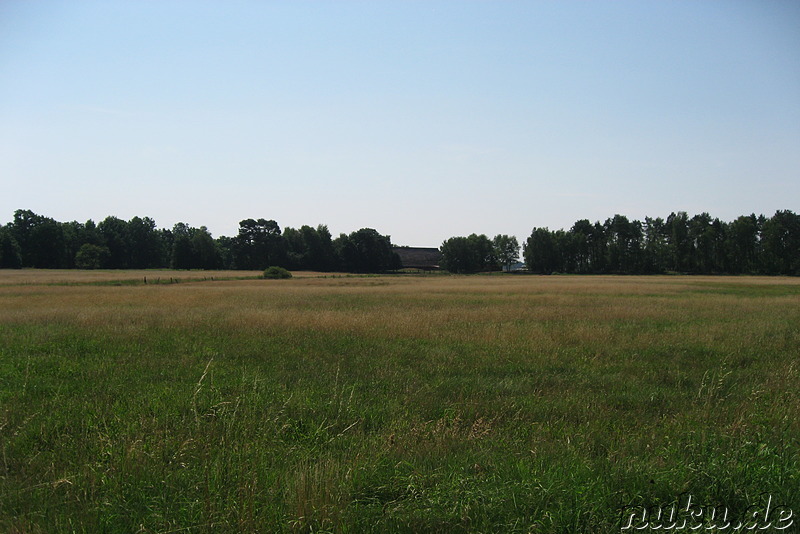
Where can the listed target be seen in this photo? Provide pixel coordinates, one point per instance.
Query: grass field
(391, 404)
(113, 277)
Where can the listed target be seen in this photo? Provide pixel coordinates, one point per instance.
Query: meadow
(503, 403)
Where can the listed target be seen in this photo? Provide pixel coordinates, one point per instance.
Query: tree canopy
(699, 244)
(695, 245)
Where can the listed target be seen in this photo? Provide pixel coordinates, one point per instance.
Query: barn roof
(419, 257)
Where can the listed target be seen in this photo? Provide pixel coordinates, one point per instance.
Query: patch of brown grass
(542, 311)
(77, 276)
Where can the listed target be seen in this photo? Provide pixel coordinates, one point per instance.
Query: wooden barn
(419, 258)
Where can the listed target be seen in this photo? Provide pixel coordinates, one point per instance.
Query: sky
(421, 119)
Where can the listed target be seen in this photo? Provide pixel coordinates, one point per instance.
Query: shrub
(276, 273)
(92, 256)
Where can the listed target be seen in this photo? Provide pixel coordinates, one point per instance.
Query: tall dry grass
(77, 276)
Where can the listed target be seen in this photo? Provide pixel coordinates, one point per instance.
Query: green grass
(431, 404)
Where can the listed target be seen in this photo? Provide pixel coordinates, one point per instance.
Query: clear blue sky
(421, 119)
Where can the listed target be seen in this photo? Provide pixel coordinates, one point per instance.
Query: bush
(92, 256)
(276, 273)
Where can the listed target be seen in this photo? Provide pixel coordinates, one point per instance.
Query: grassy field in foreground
(394, 404)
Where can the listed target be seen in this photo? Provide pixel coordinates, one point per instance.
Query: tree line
(699, 245)
(33, 240)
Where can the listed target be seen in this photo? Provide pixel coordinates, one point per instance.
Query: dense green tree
(91, 234)
(719, 253)
(485, 252)
(296, 250)
(680, 247)
(41, 240)
(50, 245)
(700, 233)
(181, 256)
(743, 244)
(583, 236)
(10, 254)
(114, 232)
(225, 246)
(321, 255)
(780, 238)
(347, 254)
(74, 237)
(599, 248)
(205, 253)
(458, 256)
(655, 250)
(258, 245)
(567, 246)
(366, 251)
(540, 252)
(21, 229)
(470, 254)
(506, 250)
(624, 245)
(143, 243)
(91, 256)
(310, 248)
